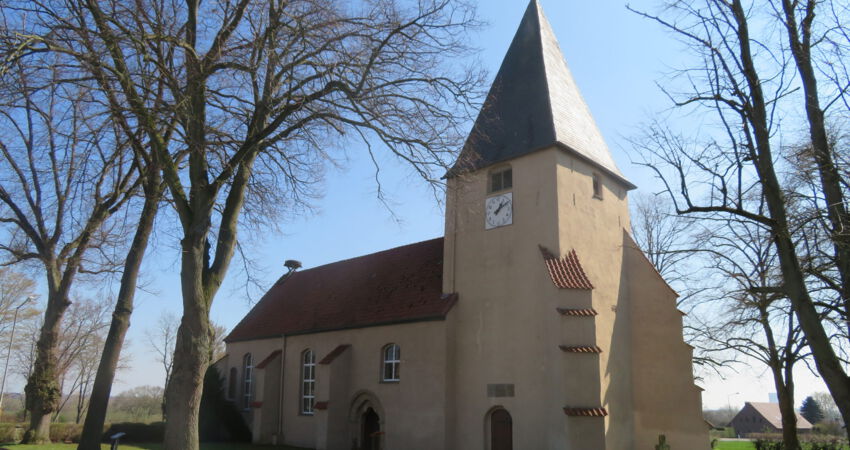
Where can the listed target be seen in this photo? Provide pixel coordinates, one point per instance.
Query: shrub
(65, 432)
(219, 419)
(137, 432)
(825, 444)
(768, 444)
(9, 432)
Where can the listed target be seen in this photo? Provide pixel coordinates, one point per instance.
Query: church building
(535, 322)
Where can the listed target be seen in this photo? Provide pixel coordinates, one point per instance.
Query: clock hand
(502, 205)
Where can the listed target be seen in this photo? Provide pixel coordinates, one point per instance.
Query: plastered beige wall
(662, 359)
(593, 227)
(413, 409)
(260, 350)
(507, 327)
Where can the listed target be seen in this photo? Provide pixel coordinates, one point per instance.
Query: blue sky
(616, 58)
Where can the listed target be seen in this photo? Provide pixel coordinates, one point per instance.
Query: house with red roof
(761, 417)
(534, 322)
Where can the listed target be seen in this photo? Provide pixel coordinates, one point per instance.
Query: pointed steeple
(534, 103)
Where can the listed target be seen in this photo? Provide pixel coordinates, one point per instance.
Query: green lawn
(734, 445)
(146, 447)
(739, 445)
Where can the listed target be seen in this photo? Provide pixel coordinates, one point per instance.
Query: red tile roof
(585, 412)
(330, 357)
(566, 272)
(589, 312)
(580, 349)
(403, 284)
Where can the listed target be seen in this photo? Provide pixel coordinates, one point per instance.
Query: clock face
(498, 211)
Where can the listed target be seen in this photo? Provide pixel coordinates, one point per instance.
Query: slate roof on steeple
(534, 103)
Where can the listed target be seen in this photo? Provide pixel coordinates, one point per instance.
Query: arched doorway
(366, 422)
(371, 430)
(501, 430)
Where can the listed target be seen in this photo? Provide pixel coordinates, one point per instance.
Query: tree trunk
(191, 351)
(42, 389)
(789, 416)
(102, 388)
(785, 391)
(39, 429)
(830, 179)
(783, 381)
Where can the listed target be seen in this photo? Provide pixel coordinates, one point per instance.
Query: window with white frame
(308, 382)
(247, 380)
(392, 363)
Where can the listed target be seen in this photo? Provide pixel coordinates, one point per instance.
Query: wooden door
(501, 430)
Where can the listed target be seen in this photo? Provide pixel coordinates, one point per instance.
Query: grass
(147, 447)
(734, 445)
(740, 445)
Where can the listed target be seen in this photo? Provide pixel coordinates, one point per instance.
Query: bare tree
(827, 404)
(750, 319)
(140, 212)
(80, 345)
(63, 178)
(663, 236)
(78, 349)
(15, 296)
(162, 339)
(219, 348)
(670, 242)
(258, 94)
(744, 78)
(138, 404)
(15, 288)
(798, 18)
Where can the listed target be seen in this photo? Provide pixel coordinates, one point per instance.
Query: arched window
(247, 380)
(231, 384)
(392, 363)
(308, 381)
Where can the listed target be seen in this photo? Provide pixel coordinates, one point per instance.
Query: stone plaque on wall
(500, 390)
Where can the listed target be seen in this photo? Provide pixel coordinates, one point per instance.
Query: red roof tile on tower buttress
(585, 412)
(565, 272)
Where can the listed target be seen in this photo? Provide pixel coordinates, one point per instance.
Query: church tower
(564, 336)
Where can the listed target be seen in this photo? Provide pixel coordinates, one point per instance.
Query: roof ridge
(546, 81)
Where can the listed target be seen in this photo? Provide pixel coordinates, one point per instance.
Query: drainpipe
(292, 265)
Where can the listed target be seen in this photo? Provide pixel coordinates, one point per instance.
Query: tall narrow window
(501, 179)
(597, 186)
(392, 362)
(231, 384)
(247, 380)
(308, 382)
